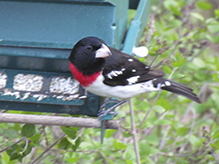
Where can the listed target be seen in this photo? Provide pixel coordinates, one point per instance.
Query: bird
(108, 72)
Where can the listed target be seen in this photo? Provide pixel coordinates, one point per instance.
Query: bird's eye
(89, 47)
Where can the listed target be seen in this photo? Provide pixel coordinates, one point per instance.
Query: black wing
(120, 68)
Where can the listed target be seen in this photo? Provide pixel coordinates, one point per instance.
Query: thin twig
(153, 60)
(104, 161)
(25, 147)
(79, 134)
(155, 100)
(125, 129)
(152, 29)
(152, 127)
(134, 135)
(145, 117)
(192, 103)
(23, 138)
(190, 130)
(44, 133)
(158, 7)
(78, 151)
(45, 151)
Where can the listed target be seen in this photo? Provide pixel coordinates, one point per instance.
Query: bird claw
(106, 102)
(107, 111)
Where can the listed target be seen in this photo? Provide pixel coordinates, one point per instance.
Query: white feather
(140, 51)
(115, 73)
(133, 79)
(101, 89)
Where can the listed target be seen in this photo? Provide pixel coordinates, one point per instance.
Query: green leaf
(64, 143)
(1, 130)
(11, 133)
(173, 6)
(74, 143)
(109, 133)
(27, 150)
(12, 148)
(152, 138)
(129, 153)
(216, 12)
(178, 60)
(215, 77)
(204, 5)
(197, 16)
(164, 122)
(175, 10)
(182, 131)
(35, 138)
(14, 155)
(178, 63)
(195, 141)
(216, 135)
(216, 61)
(215, 39)
(4, 157)
(213, 28)
(164, 103)
(126, 134)
(118, 145)
(77, 143)
(128, 161)
(70, 131)
(144, 148)
(28, 130)
(159, 108)
(175, 23)
(209, 37)
(167, 69)
(72, 160)
(199, 63)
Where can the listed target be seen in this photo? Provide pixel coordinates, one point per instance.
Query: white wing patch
(115, 73)
(167, 83)
(133, 79)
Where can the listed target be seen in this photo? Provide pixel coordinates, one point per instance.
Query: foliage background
(176, 131)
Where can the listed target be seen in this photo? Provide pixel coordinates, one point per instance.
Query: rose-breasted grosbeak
(108, 72)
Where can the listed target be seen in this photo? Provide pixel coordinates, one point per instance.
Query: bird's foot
(106, 102)
(110, 110)
(105, 112)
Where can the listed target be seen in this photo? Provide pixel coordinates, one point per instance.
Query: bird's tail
(178, 88)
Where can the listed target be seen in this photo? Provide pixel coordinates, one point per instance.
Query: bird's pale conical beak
(103, 52)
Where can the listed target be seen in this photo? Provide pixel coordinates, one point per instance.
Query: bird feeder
(36, 38)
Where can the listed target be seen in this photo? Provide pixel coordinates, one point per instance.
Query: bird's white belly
(101, 89)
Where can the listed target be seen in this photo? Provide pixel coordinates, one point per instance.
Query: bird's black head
(88, 55)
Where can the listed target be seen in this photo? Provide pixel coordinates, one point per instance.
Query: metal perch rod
(56, 120)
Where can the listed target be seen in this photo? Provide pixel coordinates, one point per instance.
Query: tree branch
(45, 151)
(23, 138)
(56, 120)
(134, 133)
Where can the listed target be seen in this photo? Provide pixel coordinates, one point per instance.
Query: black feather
(180, 89)
(119, 61)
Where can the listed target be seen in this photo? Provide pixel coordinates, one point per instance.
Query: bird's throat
(84, 80)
